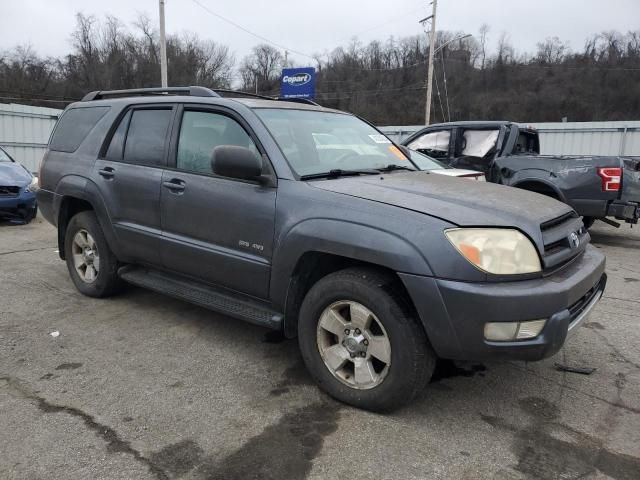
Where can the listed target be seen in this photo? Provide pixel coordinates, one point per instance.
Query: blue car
(17, 191)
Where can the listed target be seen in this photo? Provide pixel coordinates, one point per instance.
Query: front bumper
(19, 206)
(454, 313)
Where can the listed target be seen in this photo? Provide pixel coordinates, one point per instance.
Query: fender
(81, 188)
(535, 176)
(346, 239)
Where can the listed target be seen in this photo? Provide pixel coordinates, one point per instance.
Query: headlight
(501, 251)
(33, 186)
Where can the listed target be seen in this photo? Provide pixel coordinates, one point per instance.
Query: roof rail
(191, 91)
(306, 101)
(239, 93)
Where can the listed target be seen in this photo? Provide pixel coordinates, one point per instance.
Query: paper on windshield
(379, 138)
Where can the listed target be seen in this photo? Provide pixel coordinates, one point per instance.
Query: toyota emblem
(574, 240)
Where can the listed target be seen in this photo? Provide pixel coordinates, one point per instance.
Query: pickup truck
(509, 154)
(378, 269)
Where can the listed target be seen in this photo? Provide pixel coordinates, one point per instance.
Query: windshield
(315, 142)
(4, 157)
(425, 162)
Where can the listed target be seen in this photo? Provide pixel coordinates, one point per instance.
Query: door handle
(107, 172)
(174, 185)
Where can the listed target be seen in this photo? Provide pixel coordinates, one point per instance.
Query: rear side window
(74, 126)
(147, 136)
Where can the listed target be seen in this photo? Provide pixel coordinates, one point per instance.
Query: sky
(306, 27)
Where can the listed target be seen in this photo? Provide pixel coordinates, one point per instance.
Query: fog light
(504, 331)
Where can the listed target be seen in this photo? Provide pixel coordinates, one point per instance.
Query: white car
(427, 163)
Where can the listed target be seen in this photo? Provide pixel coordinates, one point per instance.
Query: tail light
(611, 178)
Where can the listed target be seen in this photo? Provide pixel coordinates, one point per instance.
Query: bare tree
(261, 69)
(552, 50)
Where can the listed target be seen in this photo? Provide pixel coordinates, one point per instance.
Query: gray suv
(309, 221)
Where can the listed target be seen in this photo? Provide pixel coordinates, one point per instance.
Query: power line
(246, 30)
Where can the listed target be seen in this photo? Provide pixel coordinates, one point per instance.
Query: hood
(459, 172)
(13, 174)
(454, 200)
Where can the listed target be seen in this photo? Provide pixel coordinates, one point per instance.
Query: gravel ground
(143, 386)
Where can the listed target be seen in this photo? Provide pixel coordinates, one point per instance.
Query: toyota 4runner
(233, 204)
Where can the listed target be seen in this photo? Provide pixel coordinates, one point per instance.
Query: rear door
(475, 148)
(129, 175)
(216, 229)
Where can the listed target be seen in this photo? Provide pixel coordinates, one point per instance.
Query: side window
(116, 147)
(74, 126)
(434, 144)
(147, 135)
(478, 143)
(201, 132)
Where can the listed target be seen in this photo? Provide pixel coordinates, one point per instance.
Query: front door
(216, 229)
(434, 143)
(129, 175)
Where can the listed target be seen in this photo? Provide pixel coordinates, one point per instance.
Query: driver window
(434, 144)
(201, 132)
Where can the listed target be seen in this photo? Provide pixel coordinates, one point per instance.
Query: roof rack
(191, 91)
(239, 93)
(306, 101)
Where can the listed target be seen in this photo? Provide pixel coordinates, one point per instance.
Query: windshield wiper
(393, 166)
(338, 172)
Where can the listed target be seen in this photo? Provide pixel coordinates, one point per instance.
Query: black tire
(31, 214)
(106, 282)
(412, 358)
(588, 222)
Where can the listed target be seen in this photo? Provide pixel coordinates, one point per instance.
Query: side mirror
(236, 162)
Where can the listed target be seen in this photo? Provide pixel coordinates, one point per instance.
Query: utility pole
(432, 44)
(163, 48)
(286, 58)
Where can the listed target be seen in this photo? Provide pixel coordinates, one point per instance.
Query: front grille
(558, 246)
(9, 191)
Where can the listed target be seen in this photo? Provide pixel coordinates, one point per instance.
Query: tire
(411, 360)
(31, 214)
(588, 222)
(104, 280)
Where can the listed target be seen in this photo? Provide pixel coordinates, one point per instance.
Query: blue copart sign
(298, 82)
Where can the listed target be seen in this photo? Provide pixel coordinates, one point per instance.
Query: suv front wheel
(91, 263)
(362, 341)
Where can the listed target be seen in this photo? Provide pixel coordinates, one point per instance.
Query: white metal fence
(569, 138)
(25, 130)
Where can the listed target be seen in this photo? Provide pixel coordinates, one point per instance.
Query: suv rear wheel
(91, 263)
(362, 341)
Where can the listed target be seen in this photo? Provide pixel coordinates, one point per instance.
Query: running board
(218, 300)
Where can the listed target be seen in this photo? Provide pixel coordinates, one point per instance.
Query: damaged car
(17, 191)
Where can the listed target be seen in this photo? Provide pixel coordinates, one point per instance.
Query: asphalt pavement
(142, 386)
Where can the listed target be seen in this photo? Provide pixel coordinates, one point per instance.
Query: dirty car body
(315, 231)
